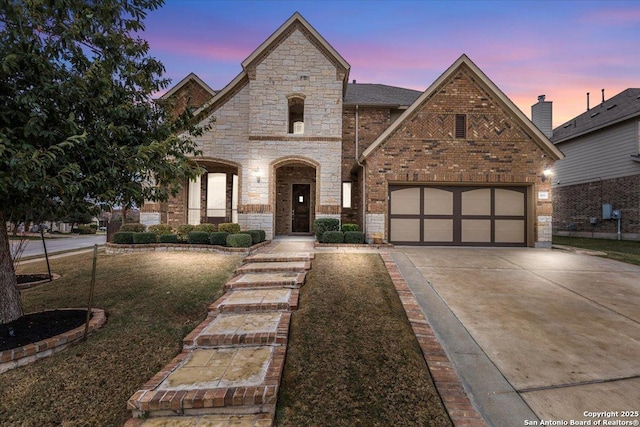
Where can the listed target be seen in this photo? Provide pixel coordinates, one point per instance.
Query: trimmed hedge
(199, 238)
(85, 229)
(354, 237)
(134, 227)
(207, 228)
(218, 238)
(160, 229)
(255, 236)
(239, 240)
(168, 238)
(321, 225)
(123, 237)
(333, 237)
(184, 230)
(229, 227)
(144, 238)
(262, 235)
(350, 227)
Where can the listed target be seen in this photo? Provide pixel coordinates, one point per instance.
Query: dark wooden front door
(300, 208)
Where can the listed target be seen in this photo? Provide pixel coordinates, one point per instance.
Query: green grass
(152, 301)
(352, 358)
(622, 250)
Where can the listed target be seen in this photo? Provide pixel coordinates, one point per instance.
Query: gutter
(364, 178)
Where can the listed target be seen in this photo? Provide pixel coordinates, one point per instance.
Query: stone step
(284, 279)
(252, 300)
(252, 420)
(241, 380)
(268, 267)
(238, 329)
(280, 257)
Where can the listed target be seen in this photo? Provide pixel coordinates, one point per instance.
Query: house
(601, 172)
(293, 140)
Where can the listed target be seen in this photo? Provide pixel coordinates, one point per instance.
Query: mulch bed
(35, 327)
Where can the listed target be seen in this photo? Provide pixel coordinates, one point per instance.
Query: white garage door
(460, 216)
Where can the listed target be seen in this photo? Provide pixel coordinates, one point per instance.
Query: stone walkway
(229, 371)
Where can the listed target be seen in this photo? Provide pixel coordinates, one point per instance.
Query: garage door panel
(476, 231)
(438, 230)
(438, 202)
(405, 230)
(509, 202)
(405, 201)
(476, 202)
(509, 231)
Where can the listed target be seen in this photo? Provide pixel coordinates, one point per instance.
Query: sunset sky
(559, 48)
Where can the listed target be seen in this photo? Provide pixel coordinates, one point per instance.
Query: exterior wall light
(546, 173)
(257, 174)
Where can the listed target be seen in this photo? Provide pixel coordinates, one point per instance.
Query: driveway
(535, 334)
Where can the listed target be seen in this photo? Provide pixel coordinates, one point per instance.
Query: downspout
(364, 180)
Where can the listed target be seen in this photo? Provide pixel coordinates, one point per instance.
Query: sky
(562, 49)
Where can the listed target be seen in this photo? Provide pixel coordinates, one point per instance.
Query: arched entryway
(294, 195)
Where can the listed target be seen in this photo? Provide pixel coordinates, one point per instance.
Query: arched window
(296, 115)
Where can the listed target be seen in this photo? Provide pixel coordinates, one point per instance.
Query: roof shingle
(379, 94)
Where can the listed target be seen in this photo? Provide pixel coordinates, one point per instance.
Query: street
(34, 247)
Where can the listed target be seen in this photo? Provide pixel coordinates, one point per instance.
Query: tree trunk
(10, 302)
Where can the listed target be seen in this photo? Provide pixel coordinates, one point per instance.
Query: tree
(77, 121)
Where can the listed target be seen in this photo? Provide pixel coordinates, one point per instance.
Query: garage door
(460, 216)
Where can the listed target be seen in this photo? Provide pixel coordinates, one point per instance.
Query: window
(461, 126)
(296, 115)
(194, 202)
(216, 195)
(346, 195)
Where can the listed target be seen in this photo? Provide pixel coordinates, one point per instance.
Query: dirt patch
(30, 278)
(35, 327)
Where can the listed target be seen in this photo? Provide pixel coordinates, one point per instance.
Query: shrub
(356, 237)
(255, 236)
(207, 228)
(333, 237)
(199, 238)
(93, 226)
(239, 240)
(123, 237)
(218, 238)
(350, 227)
(85, 229)
(262, 235)
(144, 238)
(168, 238)
(160, 229)
(134, 227)
(184, 230)
(229, 227)
(321, 225)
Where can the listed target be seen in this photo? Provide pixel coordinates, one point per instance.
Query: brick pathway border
(448, 384)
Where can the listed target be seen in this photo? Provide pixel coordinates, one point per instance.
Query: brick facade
(423, 149)
(575, 205)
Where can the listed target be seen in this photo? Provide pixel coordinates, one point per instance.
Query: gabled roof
(464, 61)
(623, 106)
(190, 76)
(371, 94)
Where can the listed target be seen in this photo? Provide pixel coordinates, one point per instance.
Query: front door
(300, 208)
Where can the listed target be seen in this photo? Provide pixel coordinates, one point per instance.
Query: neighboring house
(602, 167)
(293, 141)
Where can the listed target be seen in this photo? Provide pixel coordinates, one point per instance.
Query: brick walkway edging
(448, 384)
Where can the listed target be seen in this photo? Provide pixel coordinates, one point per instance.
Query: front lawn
(621, 250)
(352, 358)
(152, 301)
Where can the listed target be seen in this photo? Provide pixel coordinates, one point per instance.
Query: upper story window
(296, 115)
(461, 126)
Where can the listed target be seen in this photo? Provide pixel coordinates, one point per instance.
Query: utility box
(606, 211)
(616, 214)
(593, 220)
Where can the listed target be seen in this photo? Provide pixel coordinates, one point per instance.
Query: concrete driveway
(535, 334)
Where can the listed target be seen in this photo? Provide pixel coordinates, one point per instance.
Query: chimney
(541, 116)
(587, 101)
